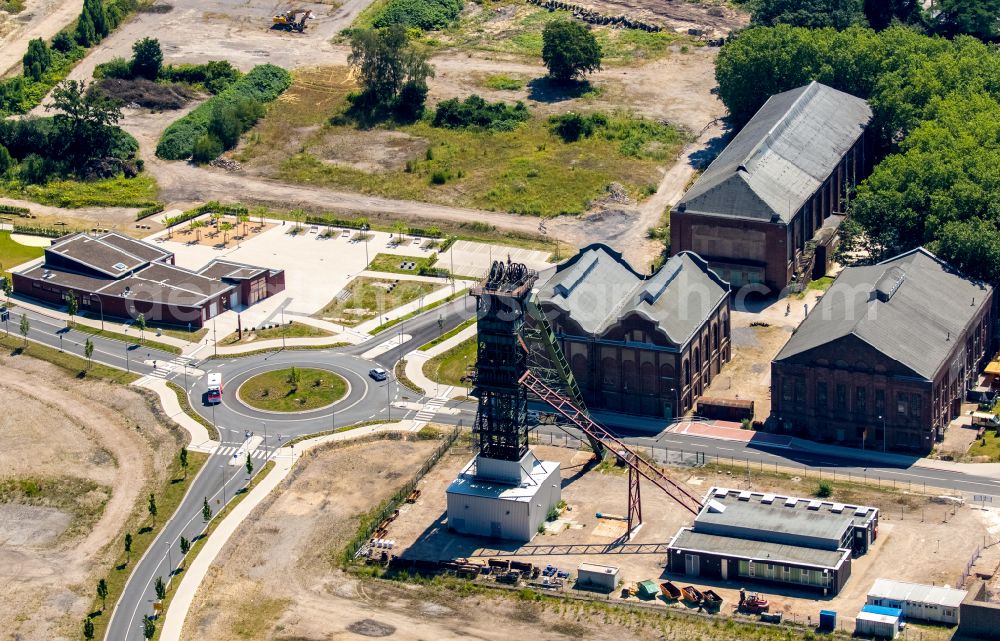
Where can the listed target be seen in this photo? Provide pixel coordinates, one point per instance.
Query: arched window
(687, 371)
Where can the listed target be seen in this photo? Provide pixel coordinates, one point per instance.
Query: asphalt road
(371, 400)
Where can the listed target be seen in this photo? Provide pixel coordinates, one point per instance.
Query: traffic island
(293, 389)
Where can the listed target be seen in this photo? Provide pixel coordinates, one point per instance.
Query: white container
(882, 626)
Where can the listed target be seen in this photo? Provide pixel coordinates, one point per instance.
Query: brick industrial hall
(884, 360)
(116, 276)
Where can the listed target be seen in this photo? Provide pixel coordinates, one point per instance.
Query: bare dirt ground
(120, 218)
(40, 19)
(60, 429)
(748, 374)
(918, 540)
(676, 88)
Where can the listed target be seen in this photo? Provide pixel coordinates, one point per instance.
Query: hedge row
(11, 209)
(422, 14)
(152, 210)
(263, 84)
(48, 232)
(358, 223)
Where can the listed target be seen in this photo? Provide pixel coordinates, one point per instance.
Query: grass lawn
(989, 446)
(272, 391)
(292, 330)
(369, 295)
(193, 336)
(168, 498)
(13, 254)
(449, 368)
(443, 337)
(530, 170)
(75, 365)
(393, 264)
(133, 338)
(140, 191)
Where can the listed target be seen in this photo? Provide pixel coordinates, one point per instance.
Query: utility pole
(215, 333)
(282, 326)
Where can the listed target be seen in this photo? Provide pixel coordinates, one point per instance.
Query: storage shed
(597, 577)
(873, 624)
(936, 603)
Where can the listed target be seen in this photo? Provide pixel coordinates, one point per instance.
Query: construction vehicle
(292, 20)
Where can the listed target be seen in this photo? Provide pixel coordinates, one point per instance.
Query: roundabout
(293, 389)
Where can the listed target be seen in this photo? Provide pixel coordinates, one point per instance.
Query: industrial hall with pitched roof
(113, 275)
(638, 344)
(885, 358)
(766, 211)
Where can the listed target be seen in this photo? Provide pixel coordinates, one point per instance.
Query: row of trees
(979, 18)
(937, 112)
(393, 73)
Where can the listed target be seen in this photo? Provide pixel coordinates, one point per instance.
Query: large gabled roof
(110, 253)
(781, 157)
(597, 288)
(911, 308)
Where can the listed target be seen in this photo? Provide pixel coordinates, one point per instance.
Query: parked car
(378, 373)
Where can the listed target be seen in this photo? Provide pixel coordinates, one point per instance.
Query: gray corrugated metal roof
(782, 156)
(597, 288)
(757, 550)
(918, 592)
(906, 308)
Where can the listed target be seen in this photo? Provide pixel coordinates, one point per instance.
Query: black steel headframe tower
(501, 361)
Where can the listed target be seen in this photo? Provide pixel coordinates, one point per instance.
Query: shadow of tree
(547, 90)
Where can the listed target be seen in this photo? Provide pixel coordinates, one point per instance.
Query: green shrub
(152, 210)
(439, 177)
(421, 14)
(504, 83)
(476, 112)
(572, 126)
(37, 59)
(824, 489)
(215, 75)
(206, 149)
(115, 68)
(62, 42)
(262, 84)
(147, 58)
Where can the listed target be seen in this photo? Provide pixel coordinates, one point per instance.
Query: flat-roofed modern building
(766, 211)
(744, 535)
(937, 603)
(112, 275)
(636, 343)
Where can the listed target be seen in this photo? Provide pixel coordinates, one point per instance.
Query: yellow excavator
(292, 20)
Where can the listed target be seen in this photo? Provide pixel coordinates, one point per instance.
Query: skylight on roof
(120, 266)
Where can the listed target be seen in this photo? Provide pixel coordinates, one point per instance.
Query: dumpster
(648, 589)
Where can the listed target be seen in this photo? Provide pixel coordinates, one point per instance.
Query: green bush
(262, 84)
(824, 489)
(439, 177)
(62, 42)
(572, 126)
(422, 14)
(147, 58)
(152, 210)
(206, 149)
(214, 75)
(476, 112)
(117, 67)
(37, 59)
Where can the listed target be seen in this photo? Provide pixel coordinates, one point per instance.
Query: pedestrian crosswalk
(229, 450)
(163, 369)
(428, 411)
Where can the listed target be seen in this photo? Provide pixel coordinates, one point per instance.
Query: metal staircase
(548, 363)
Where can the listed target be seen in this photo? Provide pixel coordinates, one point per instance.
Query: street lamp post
(224, 485)
(883, 434)
(364, 234)
(60, 342)
(213, 421)
(282, 327)
(185, 377)
(127, 368)
(451, 251)
(170, 563)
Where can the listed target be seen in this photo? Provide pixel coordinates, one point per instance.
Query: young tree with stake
(72, 306)
(249, 465)
(206, 511)
(184, 460)
(102, 593)
(88, 351)
(161, 589)
(25, 328)
(128, 546)
(152, 507)
(88, 629)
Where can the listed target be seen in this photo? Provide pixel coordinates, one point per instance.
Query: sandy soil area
(40, 19)
(57, 427)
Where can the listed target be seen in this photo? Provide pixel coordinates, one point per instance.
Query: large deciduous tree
(392, 73)
(570, 50)
(838, 14)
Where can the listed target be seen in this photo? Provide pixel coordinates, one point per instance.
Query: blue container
(878, 609)
(827, 620)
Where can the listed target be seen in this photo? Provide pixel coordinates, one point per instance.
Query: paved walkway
(200, 440)
(416, 359)
(284, 459)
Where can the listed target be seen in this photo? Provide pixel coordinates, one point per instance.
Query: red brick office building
(113, 275)
(765, 212)
(885, 359)
(638, 344)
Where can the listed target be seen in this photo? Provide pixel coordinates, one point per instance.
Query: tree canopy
(391, 72)
(147, 58)
(838, 14)
(569, 50)
(937, 110)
